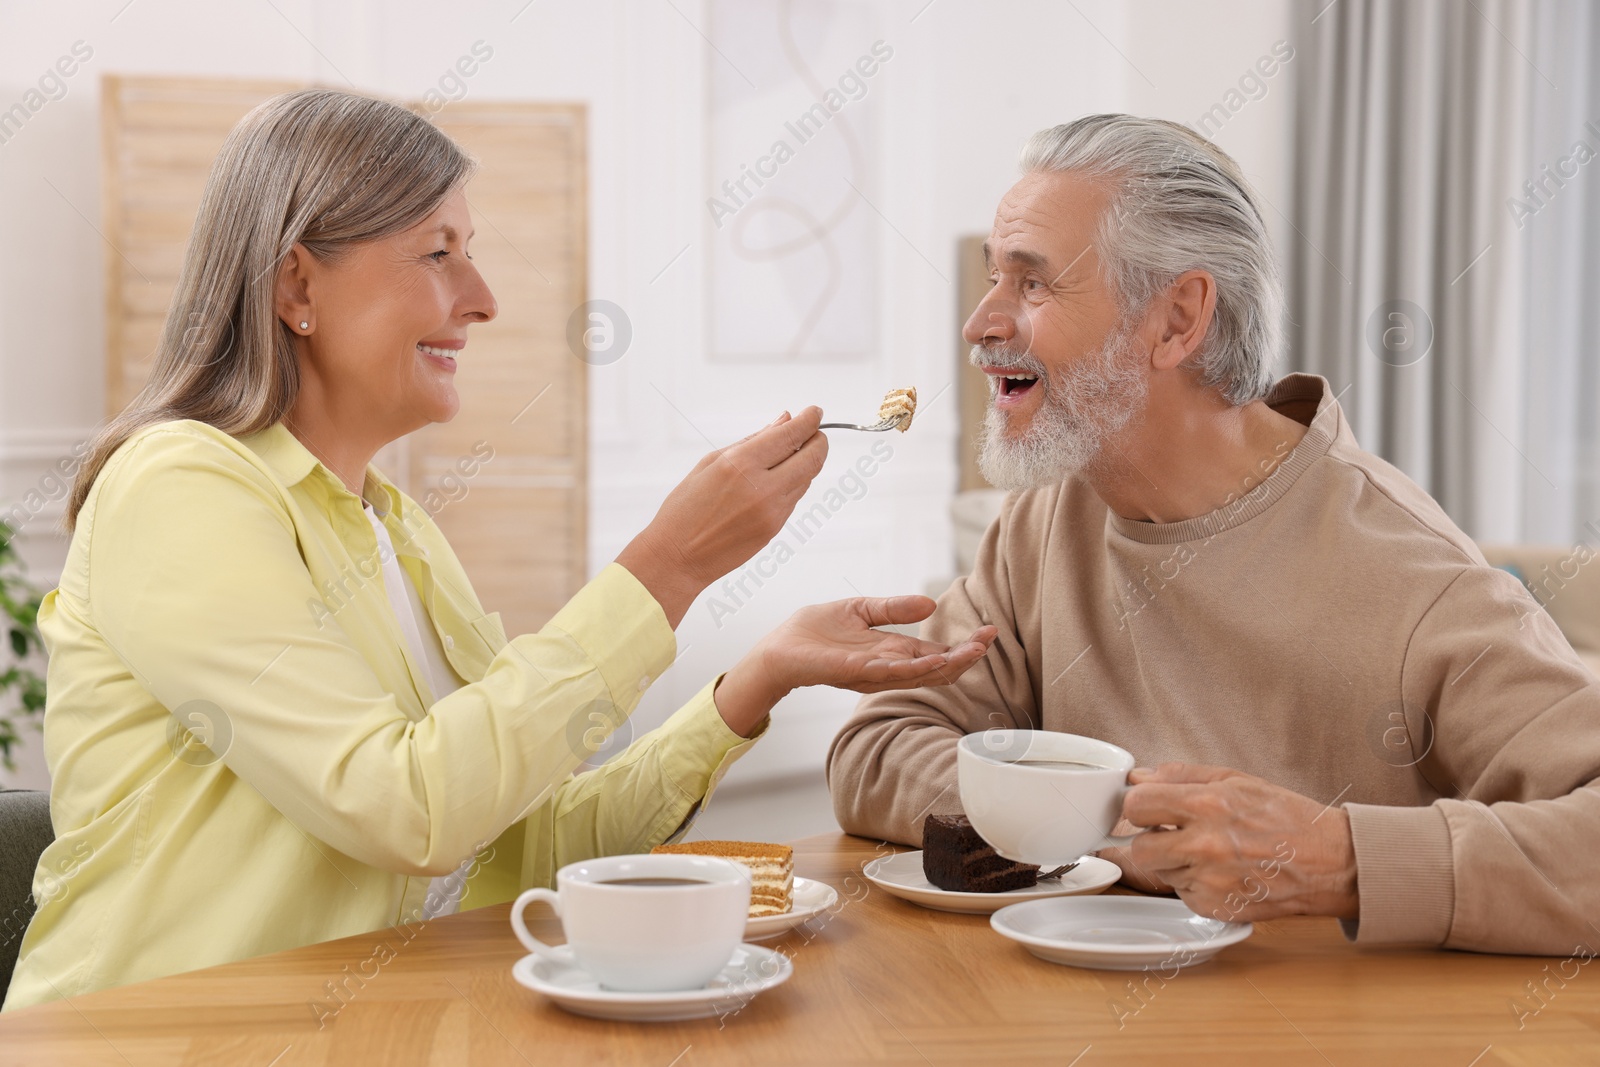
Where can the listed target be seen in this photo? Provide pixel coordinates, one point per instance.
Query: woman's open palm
(836, 644)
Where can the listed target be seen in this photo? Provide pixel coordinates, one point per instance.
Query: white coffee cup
(644, 937)
(1048, 813)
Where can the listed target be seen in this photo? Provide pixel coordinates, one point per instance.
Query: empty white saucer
(901, 875)
(810, 898)
(1118, 933)
(750, 971)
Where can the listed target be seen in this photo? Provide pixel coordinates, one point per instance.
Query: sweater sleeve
(895, 760)
(1504, 723)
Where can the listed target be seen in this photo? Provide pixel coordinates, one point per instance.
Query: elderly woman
(239, 569)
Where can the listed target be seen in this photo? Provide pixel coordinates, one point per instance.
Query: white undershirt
(444, 893)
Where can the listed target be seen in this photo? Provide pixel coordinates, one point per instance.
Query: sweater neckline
(1294, 392)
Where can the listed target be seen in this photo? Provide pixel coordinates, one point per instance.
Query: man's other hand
(1238, 848)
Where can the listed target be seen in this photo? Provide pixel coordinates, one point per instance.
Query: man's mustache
(1009, 359)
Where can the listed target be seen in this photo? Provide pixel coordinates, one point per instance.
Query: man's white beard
(1083, 406)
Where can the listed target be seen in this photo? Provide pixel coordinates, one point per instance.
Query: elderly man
(1202, 565)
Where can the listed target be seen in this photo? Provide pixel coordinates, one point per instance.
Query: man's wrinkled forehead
(1045, 222)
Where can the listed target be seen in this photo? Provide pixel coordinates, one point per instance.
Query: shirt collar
(281, 450)
(1309, 400)
(293, 462)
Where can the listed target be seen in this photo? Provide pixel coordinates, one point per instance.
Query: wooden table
(879, 981)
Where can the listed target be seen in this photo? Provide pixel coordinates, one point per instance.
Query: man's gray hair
(1179, 203)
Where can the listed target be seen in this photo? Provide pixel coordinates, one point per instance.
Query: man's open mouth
(1016, 384)
(1011, 384)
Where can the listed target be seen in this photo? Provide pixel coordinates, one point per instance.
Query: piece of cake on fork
(771, 870)
(900, 405)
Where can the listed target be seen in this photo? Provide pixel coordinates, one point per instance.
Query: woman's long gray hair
(318, 167)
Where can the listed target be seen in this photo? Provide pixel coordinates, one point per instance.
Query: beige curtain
(1408, 272)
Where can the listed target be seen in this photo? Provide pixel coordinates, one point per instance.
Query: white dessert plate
(901, 875)
(810, 898)
(1118, 933)
(751, 970)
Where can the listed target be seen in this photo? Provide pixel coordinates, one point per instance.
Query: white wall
(946, 155)
(1192, 57)
(968, 82)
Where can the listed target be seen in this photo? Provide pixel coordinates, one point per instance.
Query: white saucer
(809, 898)
(901, 875)
(751, 970)
(1117, 933)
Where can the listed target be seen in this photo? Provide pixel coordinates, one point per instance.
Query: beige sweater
(1331, 631)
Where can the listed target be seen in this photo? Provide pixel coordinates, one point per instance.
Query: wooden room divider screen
(518, 521)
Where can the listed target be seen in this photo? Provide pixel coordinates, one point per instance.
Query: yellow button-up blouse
(241, 754)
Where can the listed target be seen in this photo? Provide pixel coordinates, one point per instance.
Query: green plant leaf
(20, 603)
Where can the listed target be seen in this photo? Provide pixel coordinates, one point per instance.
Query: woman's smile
(441, 354)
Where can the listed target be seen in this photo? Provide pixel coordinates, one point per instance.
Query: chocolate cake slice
(957, 859)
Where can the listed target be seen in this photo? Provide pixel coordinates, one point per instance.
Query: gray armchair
(25, 832)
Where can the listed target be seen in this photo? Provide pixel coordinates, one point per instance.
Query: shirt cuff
(622, 630)
(703, 748)
(1405, 877)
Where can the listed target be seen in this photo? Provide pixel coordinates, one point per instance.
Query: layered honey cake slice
(900, 405)
(771, 870)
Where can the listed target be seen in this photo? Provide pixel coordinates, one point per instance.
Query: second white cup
(1042, 797)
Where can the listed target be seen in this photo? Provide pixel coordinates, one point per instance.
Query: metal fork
(877, 427)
